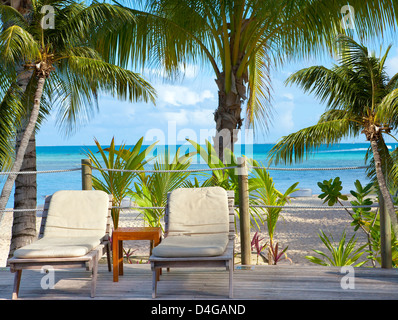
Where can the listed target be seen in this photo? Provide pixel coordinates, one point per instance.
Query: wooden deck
(260, 283)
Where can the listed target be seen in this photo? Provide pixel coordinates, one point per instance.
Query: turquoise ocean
(339, 155)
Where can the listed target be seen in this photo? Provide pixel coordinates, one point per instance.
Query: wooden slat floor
(260, 283)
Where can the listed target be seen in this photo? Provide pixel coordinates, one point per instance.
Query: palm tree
(67, 71)
(25, 184)
(360, 99)
(241, 40)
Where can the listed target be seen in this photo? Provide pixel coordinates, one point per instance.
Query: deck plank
(261, 283)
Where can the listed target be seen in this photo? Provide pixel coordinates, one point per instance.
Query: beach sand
(297, 228)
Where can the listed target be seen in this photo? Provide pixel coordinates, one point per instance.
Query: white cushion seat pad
(198, 223)
(53, 247)
(77, 213)
(198, 210)
(76, 223)
(202, 245)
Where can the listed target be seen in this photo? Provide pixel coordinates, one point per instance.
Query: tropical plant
(227, 178)
(240, 40)
(66, 69)
(362, 217)
(264, 193)
(360, 98)
(341, 255)
(256, 244)
(331, 191)
(275, 255)
(122, 162)
(151, 189)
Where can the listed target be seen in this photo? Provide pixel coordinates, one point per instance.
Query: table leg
(115, 258)
(121, 257)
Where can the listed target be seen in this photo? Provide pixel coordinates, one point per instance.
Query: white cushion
(205, 245)
(77, 213)
(198, 211)
(52, 247)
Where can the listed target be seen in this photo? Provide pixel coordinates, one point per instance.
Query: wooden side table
(135, 233)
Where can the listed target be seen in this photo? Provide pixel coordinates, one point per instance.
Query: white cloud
(289, 96)
(191, 118)
(190, 71)
(392, 63)
(283, 120)
(180, 95)
(179, 117)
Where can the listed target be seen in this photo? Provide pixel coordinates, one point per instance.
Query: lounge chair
(74, 233)
(199, 232)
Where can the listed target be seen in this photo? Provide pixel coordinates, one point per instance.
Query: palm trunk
(389, 205)
(30, 127)
(227, 116)
(24, 222)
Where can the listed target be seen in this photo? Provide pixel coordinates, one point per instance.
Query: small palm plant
(264, 193)
(116, 182)
(341, 255)
(228, 179)
(151, 189)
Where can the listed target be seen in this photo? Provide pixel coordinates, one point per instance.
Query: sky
(184, 109)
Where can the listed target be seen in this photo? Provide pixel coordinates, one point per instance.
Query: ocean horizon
(336, 156)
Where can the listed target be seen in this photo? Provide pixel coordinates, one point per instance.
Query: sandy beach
(297, 228)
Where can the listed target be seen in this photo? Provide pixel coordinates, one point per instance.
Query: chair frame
(88, 261)
(224, 260)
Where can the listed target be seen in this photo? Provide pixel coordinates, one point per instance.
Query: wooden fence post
(87, 178)
(244, 212)
(385, 235)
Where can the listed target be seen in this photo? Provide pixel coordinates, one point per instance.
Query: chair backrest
(200, 210)
(74, 213)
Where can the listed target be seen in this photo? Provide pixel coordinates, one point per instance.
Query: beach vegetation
(267, 204)
(63, 70)
(264, 193)
(360, 99)
(331, 191)
(151, 189)
(240, 41)
(226, 178)
(276, 254)
(363, 217)
(340, 254)
(113, 165)
(257, 245)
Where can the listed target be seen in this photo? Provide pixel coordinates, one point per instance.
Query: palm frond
(295, 146)
(258, 109)
(10, 16)
(16, 44)
(11, 112)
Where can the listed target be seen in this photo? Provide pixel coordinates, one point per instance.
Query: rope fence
(39, 172)
(243, 191)
(186, 170)
(196, 170)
